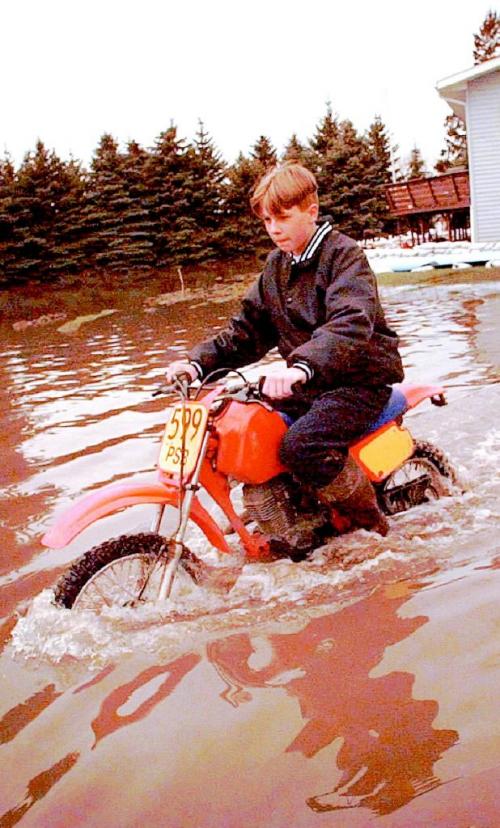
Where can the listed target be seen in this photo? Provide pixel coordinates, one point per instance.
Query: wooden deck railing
(441, 193)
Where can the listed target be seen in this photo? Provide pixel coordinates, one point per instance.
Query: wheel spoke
(95, 586)
(123, 582)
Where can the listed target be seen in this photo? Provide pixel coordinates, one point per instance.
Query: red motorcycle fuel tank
(249, 435)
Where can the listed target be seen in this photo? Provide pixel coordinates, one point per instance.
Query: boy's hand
(279, 385)
(180, 366)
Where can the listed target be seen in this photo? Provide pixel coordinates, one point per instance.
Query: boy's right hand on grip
(282, 383)
(180, 367)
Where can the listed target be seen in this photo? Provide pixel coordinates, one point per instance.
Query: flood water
(350, 694)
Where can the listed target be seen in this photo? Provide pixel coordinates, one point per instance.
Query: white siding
(483, 135)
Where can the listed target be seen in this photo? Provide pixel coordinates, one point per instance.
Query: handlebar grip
(296, 387)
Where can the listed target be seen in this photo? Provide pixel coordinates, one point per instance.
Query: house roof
(453, 88)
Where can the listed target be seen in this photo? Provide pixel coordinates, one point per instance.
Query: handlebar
(184, 387)
(229, 388)
(180, 385)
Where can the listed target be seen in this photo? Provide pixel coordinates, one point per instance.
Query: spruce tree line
(136, 210)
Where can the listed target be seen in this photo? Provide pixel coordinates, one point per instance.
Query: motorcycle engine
(275, 506)
(270, 505)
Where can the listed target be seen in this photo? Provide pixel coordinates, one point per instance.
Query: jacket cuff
(197, 367)
(308, 371)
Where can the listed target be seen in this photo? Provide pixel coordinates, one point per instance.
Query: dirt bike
(219, 437)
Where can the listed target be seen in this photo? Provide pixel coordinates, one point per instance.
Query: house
(474, 95)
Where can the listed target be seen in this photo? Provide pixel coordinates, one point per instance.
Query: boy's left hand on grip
(180, 368)
(279, 385)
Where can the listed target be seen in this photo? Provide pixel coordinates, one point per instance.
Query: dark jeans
(315, 446)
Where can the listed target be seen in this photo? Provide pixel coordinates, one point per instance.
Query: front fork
(186, 493)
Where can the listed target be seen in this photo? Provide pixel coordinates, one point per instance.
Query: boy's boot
(354, 494)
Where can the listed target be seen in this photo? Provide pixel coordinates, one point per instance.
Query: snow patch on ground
(388, 256)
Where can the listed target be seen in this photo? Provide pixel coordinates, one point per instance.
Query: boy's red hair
(283, 187)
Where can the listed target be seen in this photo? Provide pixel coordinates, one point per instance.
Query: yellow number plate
(183, 439)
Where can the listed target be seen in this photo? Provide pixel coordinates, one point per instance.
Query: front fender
(118, 496)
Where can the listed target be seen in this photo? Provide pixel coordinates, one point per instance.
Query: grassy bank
(92, 294)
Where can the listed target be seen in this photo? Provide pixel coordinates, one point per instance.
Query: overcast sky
(73, 69)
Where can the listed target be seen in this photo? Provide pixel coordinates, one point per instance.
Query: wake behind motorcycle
(221, 437)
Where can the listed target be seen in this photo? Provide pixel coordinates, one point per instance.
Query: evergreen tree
(7, 220)
(264, 155)
(7, 173)
(167, 173)
(297, 152)
(202, 221)
(135, 243)
(380, 151)
(345, 183)
(44, 192)
(36, 212)
(123, 242)
(326, 135)
(68, 252)
(243, 233)
(378, 174)
(416, 166)
(487, 40)
(105, 202)
(455, 152)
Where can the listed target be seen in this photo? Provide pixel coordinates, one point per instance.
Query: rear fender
(415, 394)
(118, 496)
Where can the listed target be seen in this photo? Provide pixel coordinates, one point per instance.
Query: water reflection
(18, 717)
(130, 702)
(17, 512)
(38, 787)
(389, 746)
(439, 327)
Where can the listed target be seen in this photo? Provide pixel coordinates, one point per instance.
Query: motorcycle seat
(396, 406)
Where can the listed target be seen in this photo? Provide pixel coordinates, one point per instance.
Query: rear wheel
(123, 572)
(427, 475)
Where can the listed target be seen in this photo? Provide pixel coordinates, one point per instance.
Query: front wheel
(123, 572)
(427, 475)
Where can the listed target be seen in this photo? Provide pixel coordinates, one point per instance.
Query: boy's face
(291, 229)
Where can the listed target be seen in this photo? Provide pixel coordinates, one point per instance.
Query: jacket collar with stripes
(314, 245)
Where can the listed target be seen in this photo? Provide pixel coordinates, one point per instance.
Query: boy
(317, 302)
